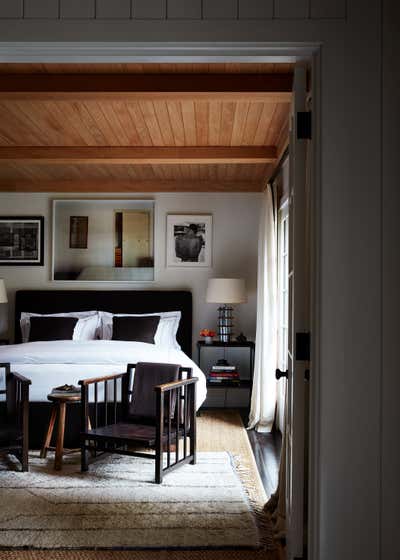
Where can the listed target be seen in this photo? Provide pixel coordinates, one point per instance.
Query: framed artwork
(189, 240)
(78, 232)
(118, 246)
(21, 240)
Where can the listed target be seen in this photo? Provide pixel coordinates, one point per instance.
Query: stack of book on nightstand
(223, 373)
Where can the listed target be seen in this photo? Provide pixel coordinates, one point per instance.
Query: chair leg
(193, 440)
(194, 460)
(84, 458)
(159, 465)
(24, 455)
(159, 436)
(193, 427)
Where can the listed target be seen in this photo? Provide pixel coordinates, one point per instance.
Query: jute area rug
(209, 511)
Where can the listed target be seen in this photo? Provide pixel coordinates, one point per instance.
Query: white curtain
(263, 398)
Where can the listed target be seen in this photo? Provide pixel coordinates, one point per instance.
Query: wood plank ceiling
(142, 127)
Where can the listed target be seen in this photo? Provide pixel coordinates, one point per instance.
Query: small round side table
(60, 403)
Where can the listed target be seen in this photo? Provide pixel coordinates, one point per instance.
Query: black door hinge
(303, 343)
(304, 125)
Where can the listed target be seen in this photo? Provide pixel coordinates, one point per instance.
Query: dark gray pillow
(51, 328)
(137, 329)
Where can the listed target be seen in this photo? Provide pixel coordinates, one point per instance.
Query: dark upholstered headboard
(114, 301)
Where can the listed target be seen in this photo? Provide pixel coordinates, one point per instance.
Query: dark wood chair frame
(17, 410)
(173, 421)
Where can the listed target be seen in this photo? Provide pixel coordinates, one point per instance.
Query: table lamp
(226, 291)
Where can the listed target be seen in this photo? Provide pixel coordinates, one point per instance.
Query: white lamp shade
(3, 293)
(226, 290)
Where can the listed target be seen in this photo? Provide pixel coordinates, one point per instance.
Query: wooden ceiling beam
(139, 186)
(62, 155)
(274, 88)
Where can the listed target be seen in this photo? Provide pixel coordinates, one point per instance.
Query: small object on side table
(66, 390)
(241, 338)
(208, 335)
(60, 397)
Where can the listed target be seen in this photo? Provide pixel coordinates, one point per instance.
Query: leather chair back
(147, 375)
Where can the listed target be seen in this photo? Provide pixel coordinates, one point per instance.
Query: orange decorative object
(207, 332)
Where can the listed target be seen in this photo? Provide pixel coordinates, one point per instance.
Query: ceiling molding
(166, 51)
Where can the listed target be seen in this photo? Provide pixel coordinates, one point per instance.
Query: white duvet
(53, 363)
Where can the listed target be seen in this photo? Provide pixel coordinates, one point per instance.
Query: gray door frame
(108, 52)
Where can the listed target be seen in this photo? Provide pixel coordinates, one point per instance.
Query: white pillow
(166, 331)
(83, 330)
(87, 328)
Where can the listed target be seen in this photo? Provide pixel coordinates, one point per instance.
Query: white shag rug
(117, 505)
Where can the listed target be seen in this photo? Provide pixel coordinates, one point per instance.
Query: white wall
(235, 236)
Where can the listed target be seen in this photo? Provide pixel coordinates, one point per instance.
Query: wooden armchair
(14, 423)
(157, 411)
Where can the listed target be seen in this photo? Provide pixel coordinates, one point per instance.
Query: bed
(53, 363)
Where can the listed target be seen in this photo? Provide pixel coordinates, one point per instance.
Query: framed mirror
(103, 240)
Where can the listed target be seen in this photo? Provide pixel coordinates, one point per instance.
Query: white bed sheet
(53, 363)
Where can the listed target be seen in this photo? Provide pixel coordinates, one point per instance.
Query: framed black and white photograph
(21, 240)
(78, 232)
(189, 240)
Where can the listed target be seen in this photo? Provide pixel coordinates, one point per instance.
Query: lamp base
(225, 323)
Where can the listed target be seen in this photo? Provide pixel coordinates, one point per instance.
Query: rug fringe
(262, 517)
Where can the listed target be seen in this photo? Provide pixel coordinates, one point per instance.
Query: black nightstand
(4, 341)
(222, 350)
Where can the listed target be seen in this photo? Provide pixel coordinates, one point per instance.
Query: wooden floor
(221, 429)
(267, 453)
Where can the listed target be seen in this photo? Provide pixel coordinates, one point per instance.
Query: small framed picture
(189, 240)
(78, 232)
(21, 240)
